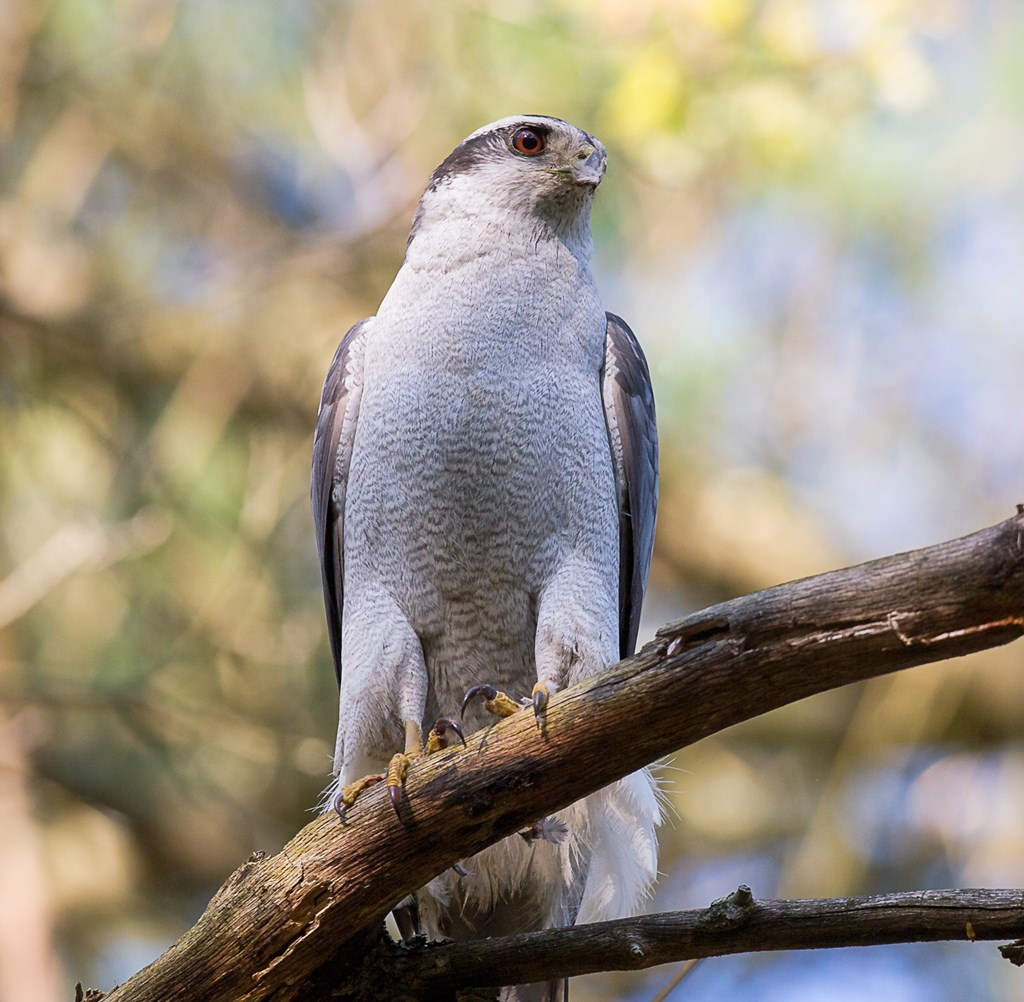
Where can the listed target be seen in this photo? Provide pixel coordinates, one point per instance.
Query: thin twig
(677, 978)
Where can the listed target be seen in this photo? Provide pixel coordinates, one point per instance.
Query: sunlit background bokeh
(813, 219)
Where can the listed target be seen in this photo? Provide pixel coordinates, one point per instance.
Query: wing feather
(332, 453)
(633, 437)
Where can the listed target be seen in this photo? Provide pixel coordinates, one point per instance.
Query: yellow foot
(495, 701)
(397, 768)
(347, 795)
(438, 739)
(440, 736)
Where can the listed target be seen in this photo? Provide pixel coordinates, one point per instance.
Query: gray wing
(332, 453)
(633, 436)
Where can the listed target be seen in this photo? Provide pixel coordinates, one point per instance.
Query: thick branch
(734, 924)
(280, 919)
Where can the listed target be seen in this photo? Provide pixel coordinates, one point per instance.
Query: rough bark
(737, 923)
(306, 914)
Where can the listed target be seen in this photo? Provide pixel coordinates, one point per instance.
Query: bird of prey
(485, 477)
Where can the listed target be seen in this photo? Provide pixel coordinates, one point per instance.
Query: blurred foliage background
(813, 218)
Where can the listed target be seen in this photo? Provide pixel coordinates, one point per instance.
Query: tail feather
(624, 851)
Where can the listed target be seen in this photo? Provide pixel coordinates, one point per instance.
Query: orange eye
(528, 142)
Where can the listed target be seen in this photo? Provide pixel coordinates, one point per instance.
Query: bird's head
(531, 155)
(531, 164)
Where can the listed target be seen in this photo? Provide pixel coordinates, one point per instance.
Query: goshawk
(485, 476)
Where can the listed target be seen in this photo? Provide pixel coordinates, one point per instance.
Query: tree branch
(281, 919)
(734, 924)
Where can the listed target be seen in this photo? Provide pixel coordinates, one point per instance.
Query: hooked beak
(588, 167)
(584, 168)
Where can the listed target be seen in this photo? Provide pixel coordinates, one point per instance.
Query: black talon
(483, 689)
(395, 793)
(340, 808)
(444, 725)
(540, 703)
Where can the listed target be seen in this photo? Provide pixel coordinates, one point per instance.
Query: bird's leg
(438, 739)
(407, 918)
(399, 764)
(552, 672)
